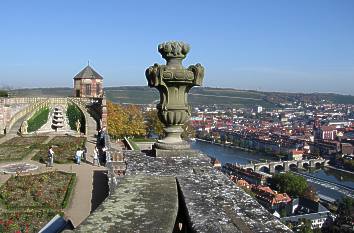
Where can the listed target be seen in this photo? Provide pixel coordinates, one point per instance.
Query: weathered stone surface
(214, 203)
(139, 204)
(174, 153)
(209, 200)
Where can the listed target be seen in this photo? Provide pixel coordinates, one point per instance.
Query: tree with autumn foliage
(189, 131)
(153, 123)
(125, 120)
(136, 126)
(155, 126)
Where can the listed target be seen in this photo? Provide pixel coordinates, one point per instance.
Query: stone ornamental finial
(173, 81)
(173, 49)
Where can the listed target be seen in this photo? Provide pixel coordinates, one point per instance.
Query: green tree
(282, 212)
(306, 226)
(4, 93)
(345, 212)
(289, 183)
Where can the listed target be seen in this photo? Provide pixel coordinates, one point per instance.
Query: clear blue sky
(283, 45)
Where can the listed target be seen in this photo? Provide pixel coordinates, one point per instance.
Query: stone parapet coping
(207, 200)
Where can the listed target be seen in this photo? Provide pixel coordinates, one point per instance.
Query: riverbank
(269, 156)
(339, 169)
(227, 145)
(226, 154)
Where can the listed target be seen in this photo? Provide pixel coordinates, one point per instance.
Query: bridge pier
(313, 163)
(271, 168)
(286, 167)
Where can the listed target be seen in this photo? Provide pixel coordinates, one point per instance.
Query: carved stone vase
(173, 81)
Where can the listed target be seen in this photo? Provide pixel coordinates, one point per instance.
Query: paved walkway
(80, 204)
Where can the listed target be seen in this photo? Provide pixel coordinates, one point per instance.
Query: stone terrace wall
(31, 105)
(208, 200)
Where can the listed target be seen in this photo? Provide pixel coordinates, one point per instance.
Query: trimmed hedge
(69, 191)
(38, 119)
(74, 113)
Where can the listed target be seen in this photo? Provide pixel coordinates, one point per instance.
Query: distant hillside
(198, 96)
(228, 96)
(42, 92)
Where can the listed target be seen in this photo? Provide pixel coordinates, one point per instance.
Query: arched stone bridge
(285, 165)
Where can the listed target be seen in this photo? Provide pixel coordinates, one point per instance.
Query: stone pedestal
(161, 153)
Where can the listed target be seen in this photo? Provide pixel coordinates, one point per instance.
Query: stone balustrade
(32, 108)
(35, 103)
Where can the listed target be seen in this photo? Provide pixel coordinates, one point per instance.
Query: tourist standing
(50, 157)
(84, 153)
(95, 157)
(78, 156)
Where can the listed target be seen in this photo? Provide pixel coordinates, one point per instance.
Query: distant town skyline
(290, 46)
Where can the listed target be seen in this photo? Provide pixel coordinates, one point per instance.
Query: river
(232, 155)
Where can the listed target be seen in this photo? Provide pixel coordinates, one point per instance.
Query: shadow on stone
(183, 224)
(150, 153)
(100, 189)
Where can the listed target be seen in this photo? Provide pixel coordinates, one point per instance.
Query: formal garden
(29, 202)
(13, 153)
(26, 141)
(64, 149)
(18, 148)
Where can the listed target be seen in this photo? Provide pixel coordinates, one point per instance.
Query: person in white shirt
(95, 157)
(50, 157)
(78, 155)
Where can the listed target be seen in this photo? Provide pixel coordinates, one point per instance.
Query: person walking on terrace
(95, 157)
(50, 157)
(84, 153)
(78, 155)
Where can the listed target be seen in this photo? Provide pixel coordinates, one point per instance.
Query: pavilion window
(98, 89)
(87, 89)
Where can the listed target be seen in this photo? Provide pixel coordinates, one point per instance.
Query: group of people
(80, 154)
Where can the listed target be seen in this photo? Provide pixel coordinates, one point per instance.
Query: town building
(304, 208)
(252, 177)
(270, 199)
(347, 148)
(243, 184)
(326, 132)
(88, 83)
(295, 154)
